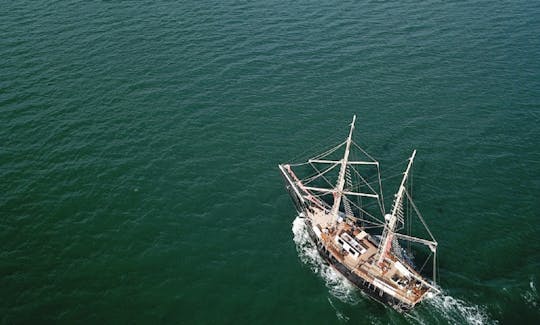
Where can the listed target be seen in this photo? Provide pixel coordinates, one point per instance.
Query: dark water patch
(139, 142)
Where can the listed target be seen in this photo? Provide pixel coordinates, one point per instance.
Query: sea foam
(337, 284)
(457, 311)
(442, 307)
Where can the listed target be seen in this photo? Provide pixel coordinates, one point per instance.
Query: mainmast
(338, 191)
(388, 232)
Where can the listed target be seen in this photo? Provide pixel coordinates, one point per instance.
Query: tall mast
(388, 232)
(338, 191)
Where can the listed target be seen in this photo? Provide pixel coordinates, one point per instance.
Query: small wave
(531, 295)
(340, 316)
(452, 310)
(457, 311)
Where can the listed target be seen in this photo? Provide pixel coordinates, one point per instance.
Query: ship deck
(391, 276)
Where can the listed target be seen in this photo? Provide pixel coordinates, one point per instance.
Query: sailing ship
(371, 249)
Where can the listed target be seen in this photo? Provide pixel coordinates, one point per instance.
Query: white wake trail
(531, 296)
(452, 310)
(337, 284)
(457, 311)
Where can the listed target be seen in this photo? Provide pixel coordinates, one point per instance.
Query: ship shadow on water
(348, 302)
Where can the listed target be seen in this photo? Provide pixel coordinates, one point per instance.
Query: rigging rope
(419, 215)
(319, 145)
(396, 248)
(363, 151)
(364, 211)
(330, 151)
(364, 180)
(319, 174)
(425, 262)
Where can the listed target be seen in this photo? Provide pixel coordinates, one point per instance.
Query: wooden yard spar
(348, 238)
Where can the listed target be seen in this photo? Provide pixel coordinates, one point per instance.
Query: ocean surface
(139, 143)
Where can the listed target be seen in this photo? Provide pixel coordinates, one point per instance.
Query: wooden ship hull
(375, 263)
(364, 284)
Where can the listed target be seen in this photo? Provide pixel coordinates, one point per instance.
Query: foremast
(338, 192)
(392, 219)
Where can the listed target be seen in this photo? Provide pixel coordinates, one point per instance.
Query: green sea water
(139, 143)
